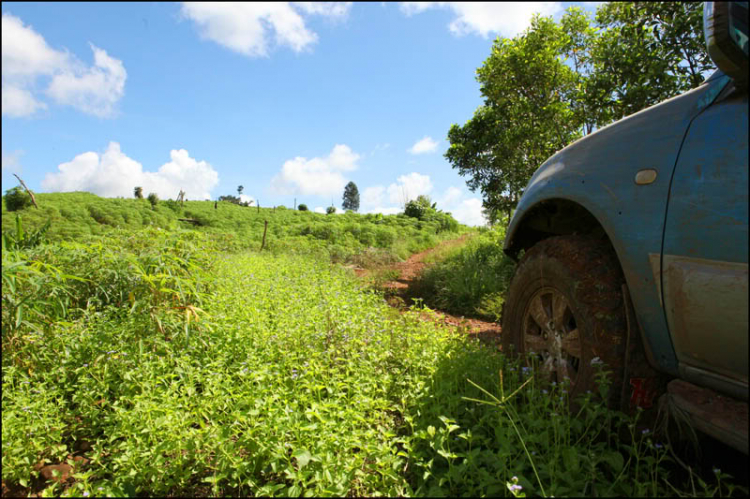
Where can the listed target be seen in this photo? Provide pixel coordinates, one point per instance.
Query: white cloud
(468, 212)
(408, 187)
(25, 52)
(380, 148)
(484, 18)
(94, 90)
(372, 196)
(426, 145)
(385, 210)
(12, 161)
(451, 196)
(245, 27)
(114, 174)
(316, 176)
(18, 102)
(245, 199)
(26, 57)
(320, 209)
(329, 9)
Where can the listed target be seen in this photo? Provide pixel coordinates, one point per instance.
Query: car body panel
(705, 256)
(598, 172)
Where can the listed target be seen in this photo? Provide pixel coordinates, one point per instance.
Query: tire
(572, 285)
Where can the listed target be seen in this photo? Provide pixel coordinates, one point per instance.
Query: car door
(705, 250)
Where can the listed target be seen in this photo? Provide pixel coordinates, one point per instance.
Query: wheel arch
(552, 217)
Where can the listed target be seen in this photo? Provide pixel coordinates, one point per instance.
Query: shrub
(16, 199)
(302, 207)
(173, 205)
(330, 210)
(153, 199)
(414, 210)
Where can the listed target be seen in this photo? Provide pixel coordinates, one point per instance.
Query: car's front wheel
(565, 308)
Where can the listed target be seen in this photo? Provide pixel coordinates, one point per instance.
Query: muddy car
(635, 250)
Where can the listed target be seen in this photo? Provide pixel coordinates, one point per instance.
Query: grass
(79, 215)
(470, 279)
(178, 365)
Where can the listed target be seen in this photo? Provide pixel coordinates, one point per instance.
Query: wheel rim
(550, 331)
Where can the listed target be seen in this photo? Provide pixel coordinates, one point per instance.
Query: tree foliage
(229, 198)
(302, 207)
(351, 197)
(525, 117)
(330, 210)
(138, 192)
(235, 200)
(425, 210)
(554, 82)
(16, 199)
(153, 198)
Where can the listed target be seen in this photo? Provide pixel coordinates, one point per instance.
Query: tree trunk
(265, 228)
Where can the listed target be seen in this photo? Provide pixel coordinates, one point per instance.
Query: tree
(240, 188)
(153, 198)
(230, 198)
(138, 192)
(525, 117)
(302, 207)
(351, 197)
(330, 210)
(16, 199)
(646, 52)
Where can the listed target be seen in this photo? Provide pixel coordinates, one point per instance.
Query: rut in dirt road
(405, 288)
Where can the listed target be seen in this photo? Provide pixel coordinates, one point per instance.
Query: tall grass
(471, 279)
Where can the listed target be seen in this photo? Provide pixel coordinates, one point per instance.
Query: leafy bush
(16, 199)
(173, 205)
(20, 239)
(330, 210)
(153, 198)
(302, 207)
(415, 210)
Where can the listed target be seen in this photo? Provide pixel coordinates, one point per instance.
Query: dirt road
(403, 287)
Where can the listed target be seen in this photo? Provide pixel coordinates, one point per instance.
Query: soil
(401, 293)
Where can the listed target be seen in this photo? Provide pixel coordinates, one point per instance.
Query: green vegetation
(16, 199)
(424, 209)
(179, 366)
(153, 198)
(20, 239)
(302, 207)
(76, 216)
(469, 280)
(351, 197)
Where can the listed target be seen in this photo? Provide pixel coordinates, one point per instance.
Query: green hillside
(79, 215)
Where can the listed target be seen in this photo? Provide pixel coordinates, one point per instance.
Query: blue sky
(290, 100)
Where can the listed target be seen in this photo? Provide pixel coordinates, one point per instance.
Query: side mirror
(726, 34)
